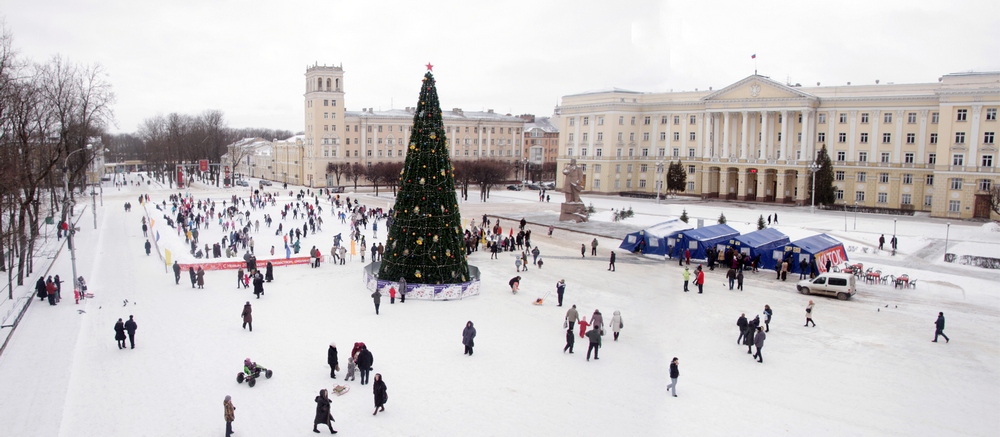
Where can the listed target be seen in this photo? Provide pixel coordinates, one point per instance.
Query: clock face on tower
(754, 90)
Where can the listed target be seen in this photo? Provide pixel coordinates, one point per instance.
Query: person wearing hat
(687, 277)
(331, 359)
(247, 316)
(674, 373)
(230, 414)
(560, 289)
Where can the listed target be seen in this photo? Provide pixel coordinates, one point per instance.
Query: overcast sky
(248, 57)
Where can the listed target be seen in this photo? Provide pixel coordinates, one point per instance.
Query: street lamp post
(845, 216)
(946, 232)
(855, 215)
(524, 175)
(68, 210)
(814, 167)
(659, 173)
(894, 237)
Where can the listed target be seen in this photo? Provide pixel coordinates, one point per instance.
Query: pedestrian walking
(377, 297)
(767, 318)
(379, 389)
(517, 263)
(570, 340)
(247, 316)
(120, 333)
(230, 414)
(323, 415)
(269, 272)
(595, 341)
(365, 361)
(611, 266)
(194, 277)
(731, 275)
(402, 289)
(392, 294)
(331, 359)
(700, 280)
(739, 279)
(258, 284)
(674, 374)
(809, 312)
(583, 251)
(939, 328)
(748, 334)
(468, 334)
(201, 277)
(534, 255)
(687, 276)
(597, 321)
(352, 367)
(742, 324)
(803, 267)
(881, 241)
(41, 290)
(148, 246)
(130, 327)
(177, 273)
(758, 342)
(560, 289)
(572, 316)
(616, 323)
(593, 247)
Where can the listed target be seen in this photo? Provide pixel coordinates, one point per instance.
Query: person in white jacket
(616, 323)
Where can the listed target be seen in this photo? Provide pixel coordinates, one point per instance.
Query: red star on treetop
(430, 67)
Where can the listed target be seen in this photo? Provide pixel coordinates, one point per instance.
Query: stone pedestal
(575, 212)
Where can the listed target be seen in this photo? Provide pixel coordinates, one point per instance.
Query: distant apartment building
(925, 147)
(541, 139)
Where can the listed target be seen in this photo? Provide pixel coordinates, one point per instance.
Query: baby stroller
(251, 371)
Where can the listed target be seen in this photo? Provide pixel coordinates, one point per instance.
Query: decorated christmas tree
(426, 244)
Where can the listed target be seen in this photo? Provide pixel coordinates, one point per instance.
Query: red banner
(835, 254)
(235, 265)
(203, 165)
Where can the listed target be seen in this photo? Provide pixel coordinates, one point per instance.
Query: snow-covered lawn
(868, 368)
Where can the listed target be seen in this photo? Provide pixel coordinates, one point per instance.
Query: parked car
(830, 284)
(242, 183)
(336, 189)
(548, 185)
(514, 187)
(533, 186)
(265, 182)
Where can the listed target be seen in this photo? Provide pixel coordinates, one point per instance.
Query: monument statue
(573, 209)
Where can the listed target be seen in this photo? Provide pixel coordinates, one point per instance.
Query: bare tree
(995, 199)
(336, 169)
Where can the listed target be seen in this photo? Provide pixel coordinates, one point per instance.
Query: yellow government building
(923, 147)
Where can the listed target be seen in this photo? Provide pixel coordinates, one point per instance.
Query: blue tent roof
(763, 237)
(710, 232)
(816, 243)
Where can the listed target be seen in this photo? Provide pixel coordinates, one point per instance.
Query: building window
(642, 183)
(883, 178)
(620, 136)
(822, 118)
(676, 152)
(597, 183)
(839, 194)
(991, 114)
(586, 121)
(621, 121)
(954, 205)
(800, 118)
(843, 117)
(911, 138)
(583, 151)
(842, 137)
(934, 137)
(985, 184)
(798, 137)
(864, 138)
(691, 169)
(862, 156)
(934, 117)
(906, 199)
(661, 152)
(677, 119)
(911, 117)
(569, 151)
(693, 119)
(821, 137)
(958, 159)
(631, 137)
(864, 118)
(600, 120)
(988, 137)
(883, 197)
(628, 183)
(961, 114)
(326, 103)
(645, 151)
(888, 117)
(619, 154)
(987, 161)
(628, 168)
(600, 136)
(862, 177)
(597, 168)
(645, 120)
(690, 153)
(955, 183)
(929, 180)
(677, 136)
(859, 196)
(908, 157)
(841, 156)
(691, 136)
(572, 121)
(907, 178)
(631, 153)
(633, 124)
(584, 137)
(663, 119)
(886, 138)
(663, 136)
(839, 175)
(618, 168)
(645, 136)
(885, 157)
(928, 200)
(599, 152)
(959, 137)
(571, 138)
(618, 185)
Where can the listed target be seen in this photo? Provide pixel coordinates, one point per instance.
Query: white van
(830, 284)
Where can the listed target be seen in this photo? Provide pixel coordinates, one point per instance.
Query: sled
(541, 300)
(340, 390)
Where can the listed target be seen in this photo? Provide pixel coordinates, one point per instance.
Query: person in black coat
(748, 333)
(611, 266)
(758, 341)
(120, 334)
(130, 327)
(674, 374)
(939, 328)
(323, 415)
(269, 272)
(148, 246)
(365, 361)
(40, 288)
(194, 276)
(570, 340)
(177, 273)
(258, 284)
(742, 323)
(331, 359)
(380, 395)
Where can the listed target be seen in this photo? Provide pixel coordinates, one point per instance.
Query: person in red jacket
(701, 279)
(583, 327)
(687, 256)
